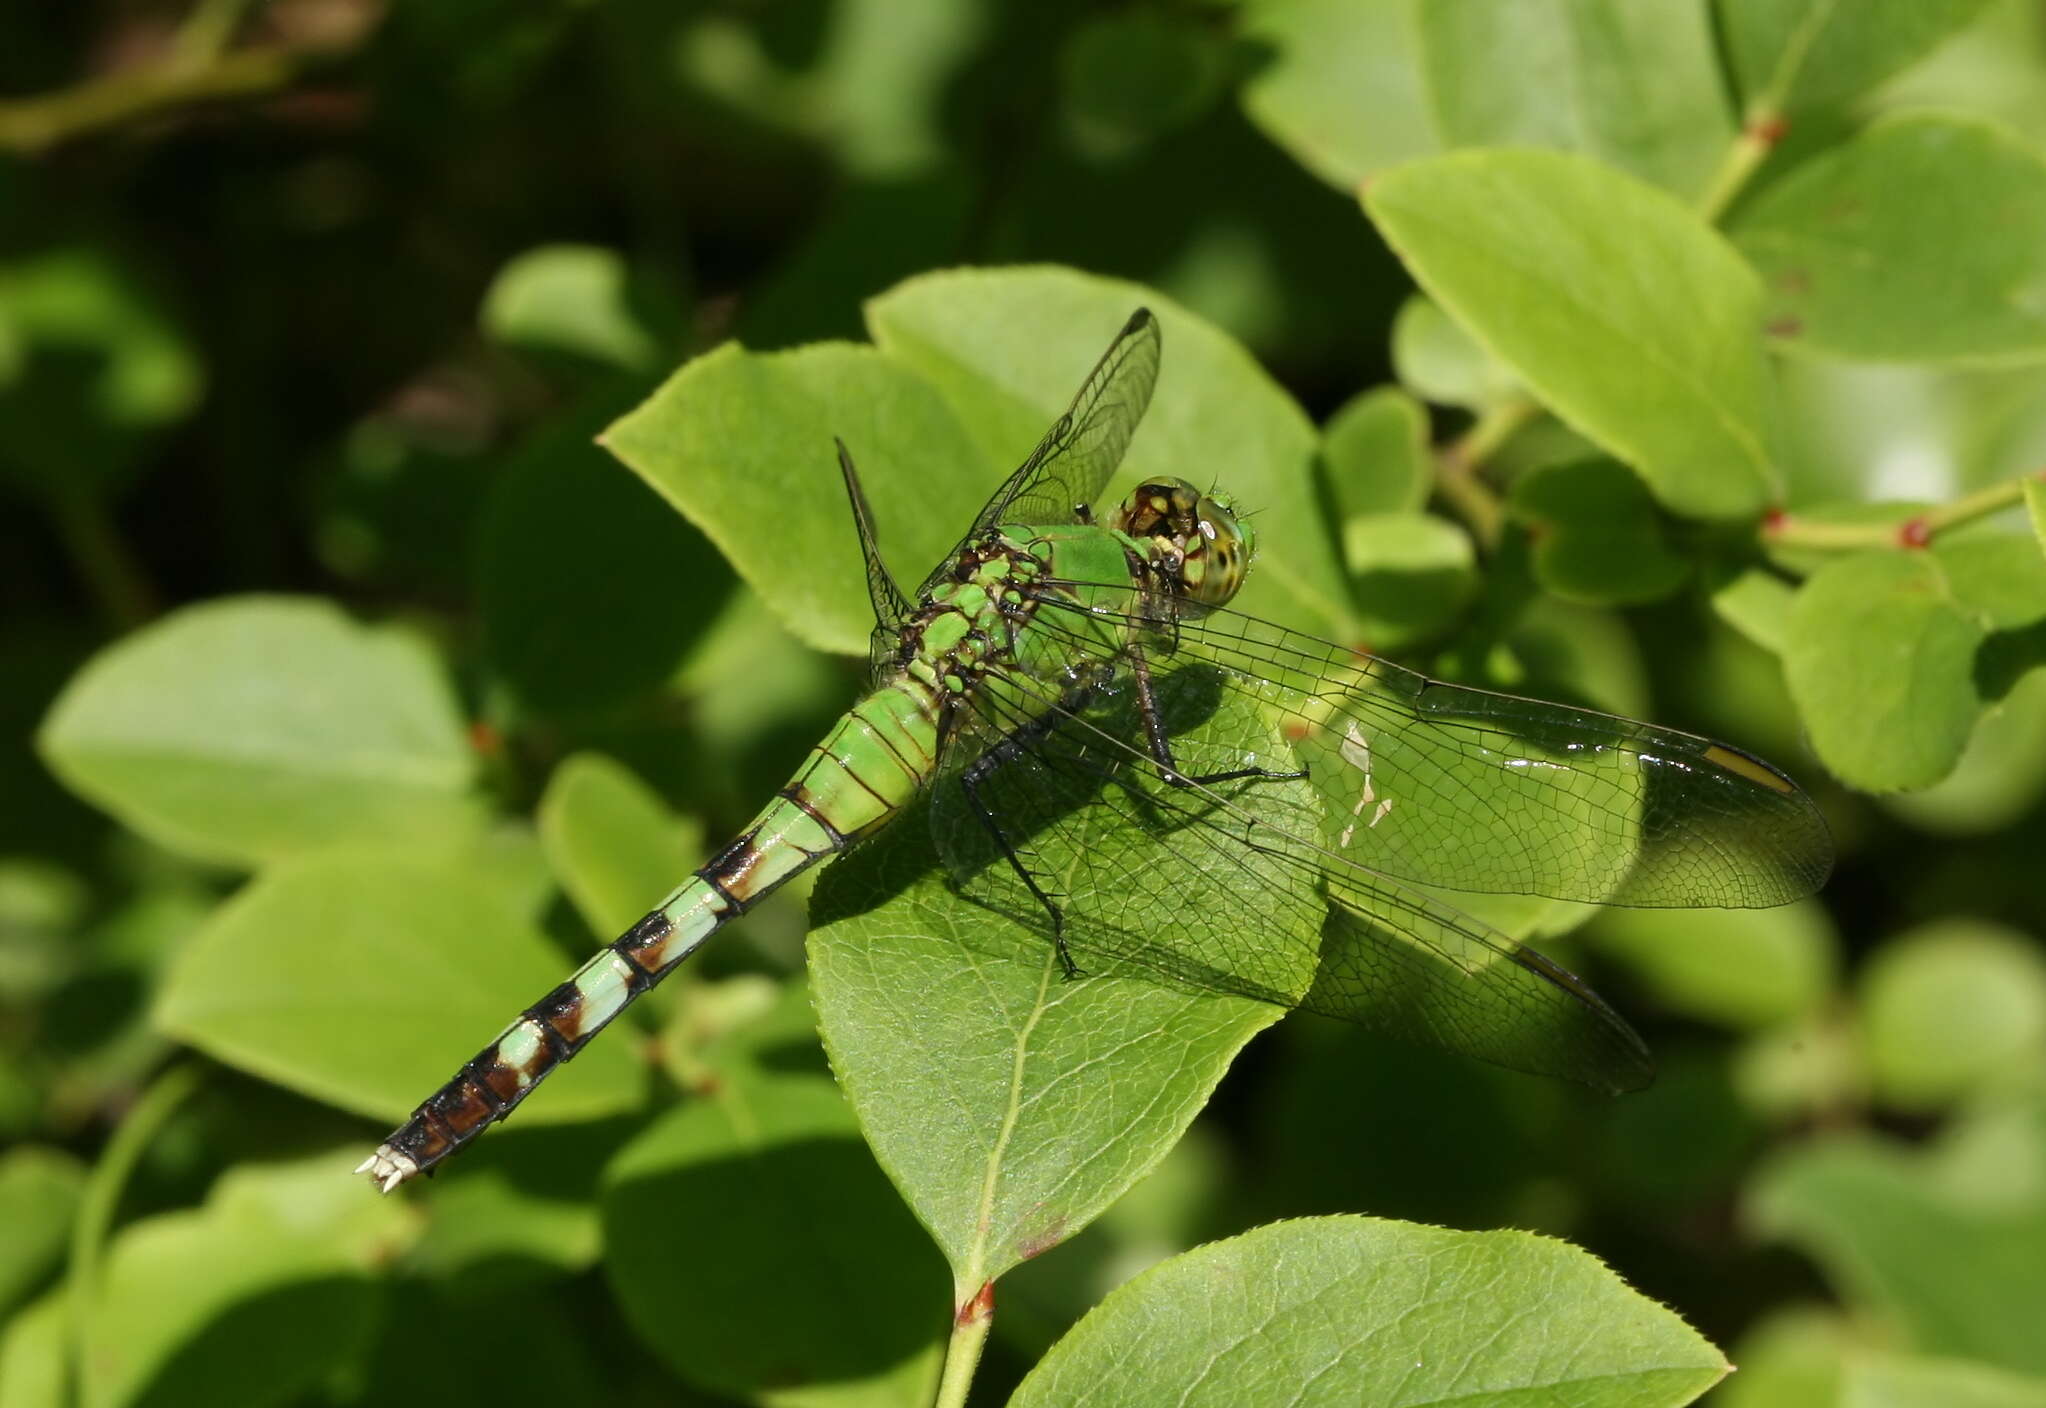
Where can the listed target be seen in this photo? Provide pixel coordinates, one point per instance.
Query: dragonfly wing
(1228, 888)
(1079, 454)
(1446, 785)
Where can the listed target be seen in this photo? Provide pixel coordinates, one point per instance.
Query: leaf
(1414, 572)
(1790, 55)
(757, 1250)
(1319, 1311)
(591, 590)
(1740, 968)
(256, 727)
(1007, 348)
(365, 980)
(35, 1355)
(1945, 1245)
(740, 443)
(1861, 259)
(1880, 659)
(1908, 1381)
(1637, 86)
(1374, 454)
(257, 1297)
(1597, 537)
(1440, 362)
(1949, 1008)
(1757, 603)
(573, 298)
(1010, 1104)
(2000, 776)
(40, 1190)
(1128, 79)
(2035, 508)
(88, 364)
(1342, 88)
(1621, 310)
(612, 843)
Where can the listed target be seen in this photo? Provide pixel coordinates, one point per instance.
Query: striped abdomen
(864, 771)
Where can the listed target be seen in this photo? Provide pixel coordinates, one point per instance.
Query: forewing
(1444, 785)
(1079, 454)
(1226, 887)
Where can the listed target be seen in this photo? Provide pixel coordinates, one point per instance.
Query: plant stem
(115, 579)
(207, 31)
(102, 1199)
(32, 125)
(1744, 156)
(970, 1325)
(1914, 531)
(1456, 466)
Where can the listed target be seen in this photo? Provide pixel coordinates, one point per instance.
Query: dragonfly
(1152, 781)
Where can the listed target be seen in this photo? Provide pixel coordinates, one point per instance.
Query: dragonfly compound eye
(1194, 539)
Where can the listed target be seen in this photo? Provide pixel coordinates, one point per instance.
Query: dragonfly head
(1194, 539)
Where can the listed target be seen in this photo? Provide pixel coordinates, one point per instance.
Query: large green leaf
(758, 1251)
(1880, 657)
(1945, 1244)
(1342, 87)
(1863, 258)
(257, 727)
(1950, 1008)
(1789, 55)
(1634, 85)
(1360, 1312)
(1009, 1103)
(39, 1192)
(1621, 311)
(365, 979)
(255, 1298)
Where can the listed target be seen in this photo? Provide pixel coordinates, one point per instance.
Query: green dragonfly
(1280, 811)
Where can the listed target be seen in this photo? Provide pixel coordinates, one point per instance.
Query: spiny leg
(1161, 743)
(1012, 748)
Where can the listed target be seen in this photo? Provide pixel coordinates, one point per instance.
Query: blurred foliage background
(311, 310)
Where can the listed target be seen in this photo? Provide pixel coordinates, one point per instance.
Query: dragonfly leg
(1007, 751)
(1161, 744)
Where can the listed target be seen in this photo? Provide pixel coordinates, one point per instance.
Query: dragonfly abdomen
(864, 771)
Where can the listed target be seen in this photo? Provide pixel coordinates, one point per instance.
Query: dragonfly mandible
(1058, 672)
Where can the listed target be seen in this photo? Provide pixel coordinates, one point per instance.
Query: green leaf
(1741, 968)
(1880, 659)
(39, 1191)
(1438, 361)
(1757, 603)
(1637, 86)
(2000, 776)
(35, 1356)
(1414, 573)
(1010, 1104)
(256, 727)
(1598, 538)
(1008, 348)
(365, 979)
(1129, 78)
(1944, 1245)
(87, 364)
(1791, 55)
(1320, 1310)
(1999, 576)
(1909, 1381)
(1861, 258)
(612, 843)
(740, 443)
(757, 1250)
(1374, 454)
(591, 590)
(1790, 1359)
(260, 1295)
(1342, 88)
(1950, 1007)
(1620, 309)
(573, 298)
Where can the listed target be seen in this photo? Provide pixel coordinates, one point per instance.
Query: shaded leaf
(1950, 1007)
(611, 842)
(1598, 538)
(1374, 454)
(1789, 55)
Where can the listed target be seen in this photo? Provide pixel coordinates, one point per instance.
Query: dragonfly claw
(387, 1168)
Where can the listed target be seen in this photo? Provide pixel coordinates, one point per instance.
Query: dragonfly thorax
(1194, 541)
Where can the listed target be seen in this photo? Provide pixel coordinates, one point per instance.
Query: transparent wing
(1079, 454)
(1465, 789)
(1223, 888)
